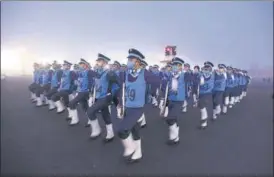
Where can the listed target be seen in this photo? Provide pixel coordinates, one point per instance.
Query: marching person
(104, 80)
(65, 88)
(205, 92)
(45, 85)
(236, 85)
(35, 82)
(218, 90)
(83, 88)
(175, 98)
(115, 88)
(242, 83)
(188, 81)
(55, 83)
(135, 82)
(195, 85)
(248, 80)
(229, 90)
(143, 117)
(154, 89)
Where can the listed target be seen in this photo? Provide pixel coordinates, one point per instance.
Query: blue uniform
(66, 80)
(38, 77)
(220, 82)
(102, 85)
(236, 80)
(46, 77)
(242, 80)
(55, 79)
(135, 91)
(206, 89)
(156, 85)
(208, 85)
(195, 82)
(229, 81)
(83, 81)
(115, 87)
(180, 94)
(188, 82)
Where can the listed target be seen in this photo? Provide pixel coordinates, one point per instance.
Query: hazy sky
(236, 33)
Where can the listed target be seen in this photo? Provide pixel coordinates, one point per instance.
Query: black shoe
(61, 112)
(132, 161)
(143, 126)
(202, 127)
(74, 124)
(94, 138)
(172, 142)
(108, 140)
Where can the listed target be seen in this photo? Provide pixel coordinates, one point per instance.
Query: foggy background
(234, 33)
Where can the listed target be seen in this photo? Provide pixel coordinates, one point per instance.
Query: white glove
(90, 101)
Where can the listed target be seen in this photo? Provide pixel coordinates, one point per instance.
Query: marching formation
(129, 88)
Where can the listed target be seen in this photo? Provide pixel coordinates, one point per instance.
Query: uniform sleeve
(59, 75)
(122, 76)
(113, 79)
(92, 73)
(91, 79)
(73, 75)
(50, 74)
(150, 78)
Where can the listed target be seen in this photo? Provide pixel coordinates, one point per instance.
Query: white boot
(195, 100)
(184, 106)
(95, 128)
(119, 112)
(129, 146)
(69, 113)
(110, 133)
(237, 99)
(39, 101)
(71, 97)
(224, 109)
(204, 118)
(218, 109)
(90, 101)
(42, 97)
(226, 100)
(51, 105)
(166, 111)
(214, 114)
(143, 121)
(154, 101)
(173, 133)
(109, 109)
(232, 102)
(60, 106)
(88, 123)
(32, 96)
(138, 150)
(46, 101)
(74, 118)
(35, 98)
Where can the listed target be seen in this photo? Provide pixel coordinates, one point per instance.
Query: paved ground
(37, 142)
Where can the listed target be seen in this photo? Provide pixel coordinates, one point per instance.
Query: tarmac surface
(36, 142)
